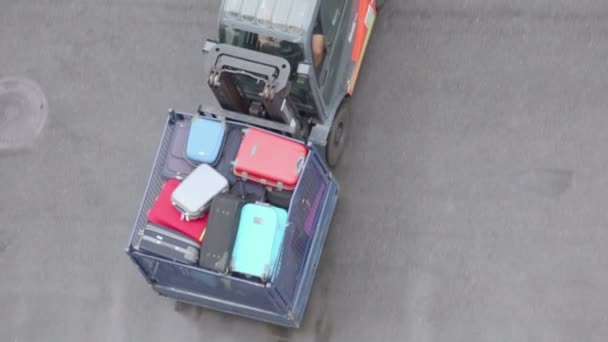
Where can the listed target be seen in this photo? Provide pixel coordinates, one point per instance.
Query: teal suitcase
(278, 239)
(259, 240)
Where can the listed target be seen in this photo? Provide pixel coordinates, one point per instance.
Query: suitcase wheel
(266, 275)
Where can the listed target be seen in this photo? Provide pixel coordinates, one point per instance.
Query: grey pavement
(474, 187)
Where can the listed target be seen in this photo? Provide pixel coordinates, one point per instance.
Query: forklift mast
(253, 87)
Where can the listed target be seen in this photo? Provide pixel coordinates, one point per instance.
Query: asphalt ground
(473, 189)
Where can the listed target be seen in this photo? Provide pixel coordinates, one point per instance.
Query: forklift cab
(262, 70)
(292, 52)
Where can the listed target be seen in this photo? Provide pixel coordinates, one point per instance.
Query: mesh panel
(303, 217)
(153, 189)
(212, 285)
(148, 264)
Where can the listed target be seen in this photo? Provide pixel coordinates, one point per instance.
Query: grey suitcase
(194, 194)
(169, 244)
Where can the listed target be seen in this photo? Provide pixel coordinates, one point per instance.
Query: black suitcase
(249, 191)
(169, 244)
(220, 235)
(279, 199)
(229, 151)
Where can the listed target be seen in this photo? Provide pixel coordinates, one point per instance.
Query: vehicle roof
(290, 17)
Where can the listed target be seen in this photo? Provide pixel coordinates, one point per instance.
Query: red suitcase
(269, 159)
(164, 214)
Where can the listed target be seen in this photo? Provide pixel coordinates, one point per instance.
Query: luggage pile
(224, 204)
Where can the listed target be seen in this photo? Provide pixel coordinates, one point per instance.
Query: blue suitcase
(259, 240)
(205, 140)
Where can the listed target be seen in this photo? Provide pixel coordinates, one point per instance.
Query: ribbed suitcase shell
(220, 235)
(269, 159)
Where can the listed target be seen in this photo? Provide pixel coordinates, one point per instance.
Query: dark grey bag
(279, 199)
(176, 165)
(169, 244)
(249, 191)
(234, 136)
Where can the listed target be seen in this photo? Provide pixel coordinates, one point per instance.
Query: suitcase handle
(174, 116)
(300, 164)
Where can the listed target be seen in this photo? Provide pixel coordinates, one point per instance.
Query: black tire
(338, 134)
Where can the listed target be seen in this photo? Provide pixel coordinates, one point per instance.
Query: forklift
(290, 66)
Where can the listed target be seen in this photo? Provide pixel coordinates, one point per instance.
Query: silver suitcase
(194, 194)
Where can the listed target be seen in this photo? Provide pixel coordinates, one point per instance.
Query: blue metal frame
(283, 301)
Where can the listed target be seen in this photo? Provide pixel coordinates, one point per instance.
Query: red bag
(270, 159)
(163, 213)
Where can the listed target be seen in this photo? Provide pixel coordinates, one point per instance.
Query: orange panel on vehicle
(361, 31)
